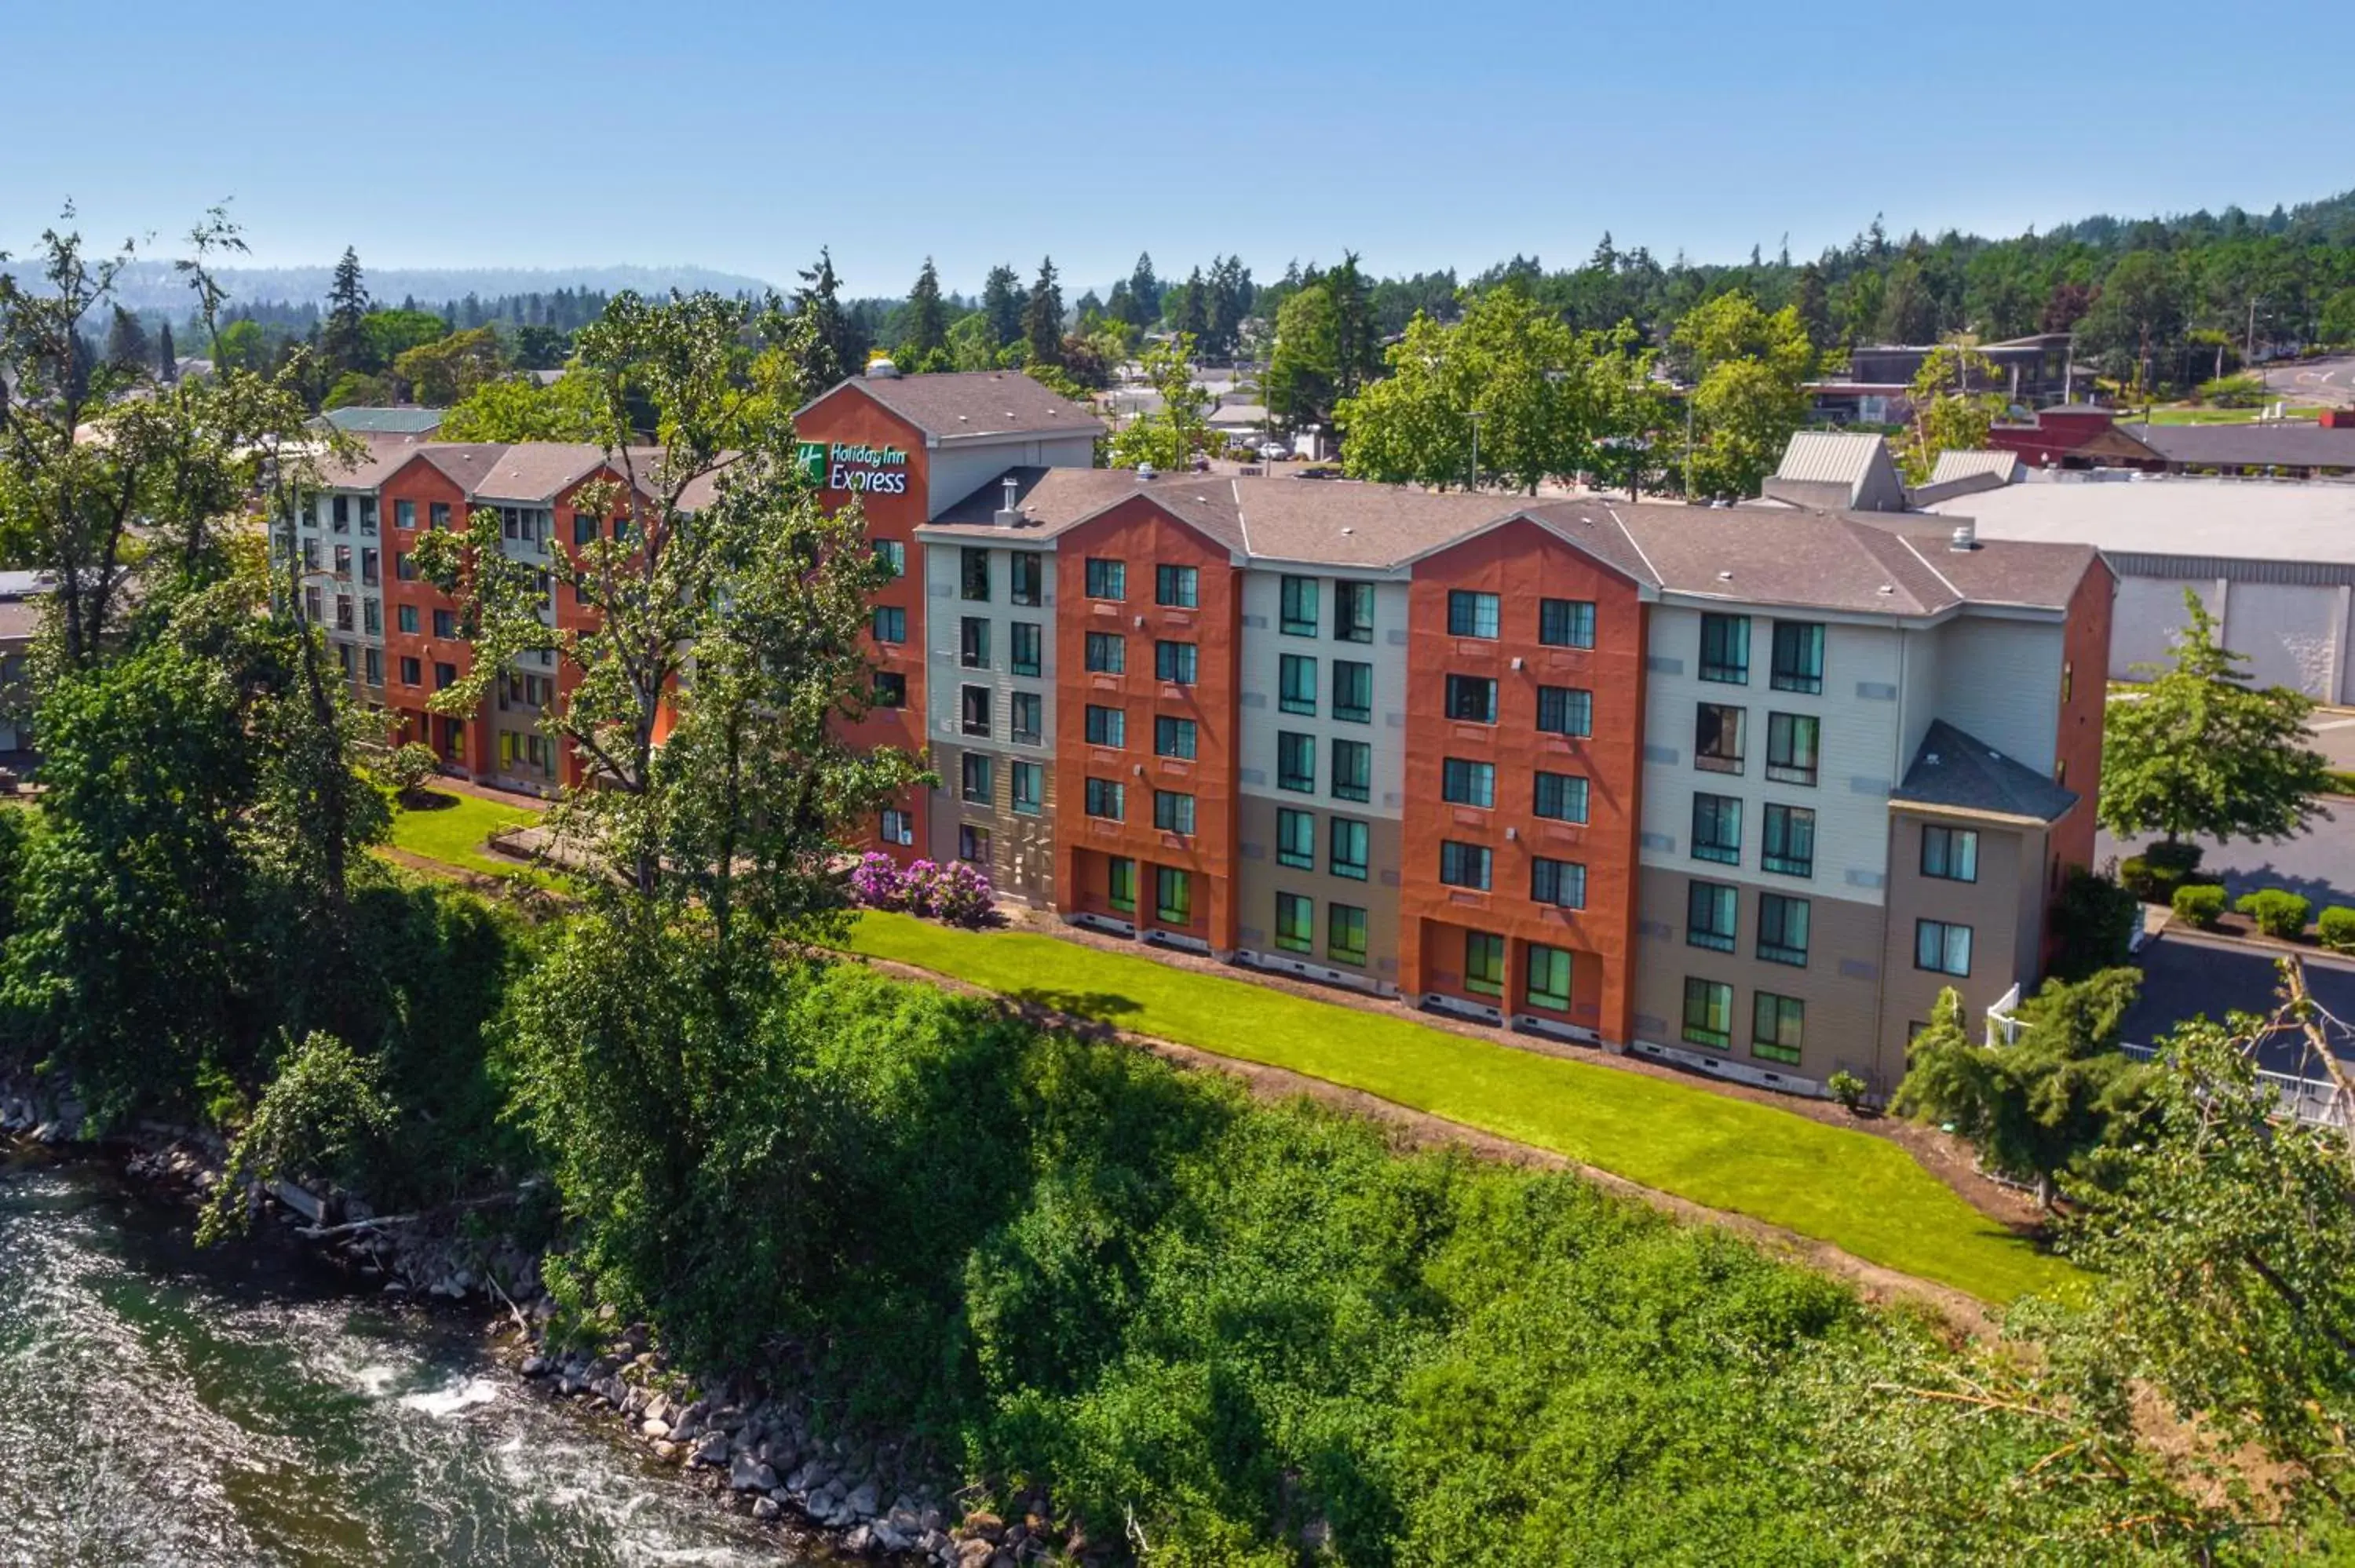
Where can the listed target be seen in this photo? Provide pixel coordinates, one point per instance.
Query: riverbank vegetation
(1216, 1330)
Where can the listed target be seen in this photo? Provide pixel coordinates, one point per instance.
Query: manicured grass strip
(455, 833)
(1861, 1193)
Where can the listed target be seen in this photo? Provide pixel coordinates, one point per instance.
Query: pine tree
(1193, 314)
(167, 358)
(837, 347)
(1003, 301)
(1143, 293)
(127, 347)
(1042, 317)
(345, 341)
(928, 321)
(1357, 342)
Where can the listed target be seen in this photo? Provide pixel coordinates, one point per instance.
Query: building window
(369, 578)
(1725, 649)
(891, 552)
(1789, 847)
(1107, 579)
(584, 528)
(973, 574)
(972, 845)
(974, 777)
(1353, 613)
(1296, 691)
(1471, 699)
(1029, 718)
(410, 672)
(1783, 929)
(1174, 737)
(972, 642)
(1709, 1012)
(373, 662)
(403, 568)
(1942, 948)
(1028, 643)
(1345, 933)
(1566, 622)
(1107, 726)
(372, 616)
(1717, 829)
(1353, 691)
(899, 827)
(1775, 1024)
(890, 624)
(404, 514)
(1717, 738)
(437, 516)
(445, 623)
(1548, 981)
(1296, 839)
(1107, 653)
(1463, 783)
(1566, 710)
(1562, 797)
(311, 606)
(1353, 771)
(1559, 883)
(1298, 616)
(1951, 854)
(1173, 895)
(1172, 811)
(342, 560)
(1471, 614)
(310, 555)
(405, 616)
(1792, 744)
(1106, 798)
(891, 689)
(1175, 662)
(1295, 923)
(1798, 656)
(1295, 762)
(1028, 575)
(1712, 911)
(1180, 587)
(1463, 865)
(973, 706)
(1484, 964)
(342, 513)
(1348, 848)
(446, 675)
(1119, 883)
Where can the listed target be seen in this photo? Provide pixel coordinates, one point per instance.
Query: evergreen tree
(1003, 304)
(1143, 293)
(928, 321)
(167, 358)
(1193, 313)
(1357, 341)
(345, 342)
(1042, 317)
(127, 347)
(834, 347)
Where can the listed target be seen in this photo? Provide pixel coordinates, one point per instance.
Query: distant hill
(154, 286)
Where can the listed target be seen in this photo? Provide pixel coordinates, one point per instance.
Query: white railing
(2314, 1101)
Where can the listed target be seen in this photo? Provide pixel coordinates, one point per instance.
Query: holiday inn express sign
(850, 465)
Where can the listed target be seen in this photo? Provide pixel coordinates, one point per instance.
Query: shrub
(2336, 928)
(2200, 903)
(1846, 1088)
(956, 892)
(407, 770)
(2276, 911)
(2093, 920)
(2180, 855)
(2343, 780)
(878, 882)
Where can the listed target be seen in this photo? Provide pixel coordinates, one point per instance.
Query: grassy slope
(2202, 416)
(455, 834)
(1861, 1193)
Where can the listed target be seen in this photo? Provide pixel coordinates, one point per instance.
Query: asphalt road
(2325, 381)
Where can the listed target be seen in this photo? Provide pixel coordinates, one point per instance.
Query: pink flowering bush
(952, 892)
(878, 882)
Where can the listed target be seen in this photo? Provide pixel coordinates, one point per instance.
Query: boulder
(860, 1539)
(668, 1452)
(654, 1430)
(534, 1366)
(972, 1551)
(865, 1500)
(767, 1509)
(749, 1475)
(712, 1448)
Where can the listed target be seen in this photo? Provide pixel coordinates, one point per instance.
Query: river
(162, 1404)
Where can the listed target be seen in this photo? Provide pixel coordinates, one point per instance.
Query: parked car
(1273, 451)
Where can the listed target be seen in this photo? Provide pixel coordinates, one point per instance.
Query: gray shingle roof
(1957, 771)
(385, 421)
(2249, 446)
(969, 405)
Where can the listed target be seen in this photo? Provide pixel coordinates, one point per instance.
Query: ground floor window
(1484, 964)
(1295, 923)
(1709, 1012)
(1548, 977)
(1121, 884)
(972, 845)
(1775, 1023)
(1173, 895)
(1029, 788)
(1345, 933)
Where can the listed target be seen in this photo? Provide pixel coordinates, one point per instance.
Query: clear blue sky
(743, 135)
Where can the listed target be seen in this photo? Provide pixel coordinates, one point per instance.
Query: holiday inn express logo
(810, 460)
(847, 465)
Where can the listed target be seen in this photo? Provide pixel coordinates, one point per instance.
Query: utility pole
(1688, 438)
(1475, 452)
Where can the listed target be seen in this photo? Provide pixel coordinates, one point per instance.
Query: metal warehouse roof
(2236, 519)
(1956, 465)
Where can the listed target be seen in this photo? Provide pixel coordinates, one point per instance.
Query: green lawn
(1861, 1193)
(2189, 416)
(454, 833)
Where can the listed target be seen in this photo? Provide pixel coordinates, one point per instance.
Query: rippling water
(160, 1404)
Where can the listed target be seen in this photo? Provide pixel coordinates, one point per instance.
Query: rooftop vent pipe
(1965, 535)
(1144, 473)
(1010, 512)
(883, 369)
